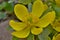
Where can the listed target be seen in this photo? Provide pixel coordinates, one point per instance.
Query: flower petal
(38, 8)
(36, 31)
(57, 29)
(56, 37)
(45, 7)
(57, 2)
(47, 19)
(53, 38)
(21, 34)
(21, 12)
(56, 25)
(17, 25)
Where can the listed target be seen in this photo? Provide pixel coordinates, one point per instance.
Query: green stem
(36, 37)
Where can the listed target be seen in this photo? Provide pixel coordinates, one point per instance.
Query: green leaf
(2, 15)
(45, 34)
(42, 37)
(25, 1)
(30, 7)
(11, 1)
(33, 0)
(30, 37)
(9, 7)
(36, 37)
(2, 5)
(14, 38)
(52, 34)
(57, 10)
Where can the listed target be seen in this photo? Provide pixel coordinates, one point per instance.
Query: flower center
(32, 21)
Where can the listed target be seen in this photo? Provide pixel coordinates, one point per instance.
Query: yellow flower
(56, 37)
(56, 25)
(31, 21)
(57, 3)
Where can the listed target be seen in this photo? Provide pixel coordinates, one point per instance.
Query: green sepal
(30, 37)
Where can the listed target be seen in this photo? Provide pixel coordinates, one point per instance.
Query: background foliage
(7, 12)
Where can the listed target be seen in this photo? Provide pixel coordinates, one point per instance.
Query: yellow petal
(46, 19)
(45, 7)
(36, 31)
(21, 12)
(21, 34)
(17, 25)
(56, 37)
(57, 3)
(56, 25)
(38, 8)
(53, 38)
(57, 29)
